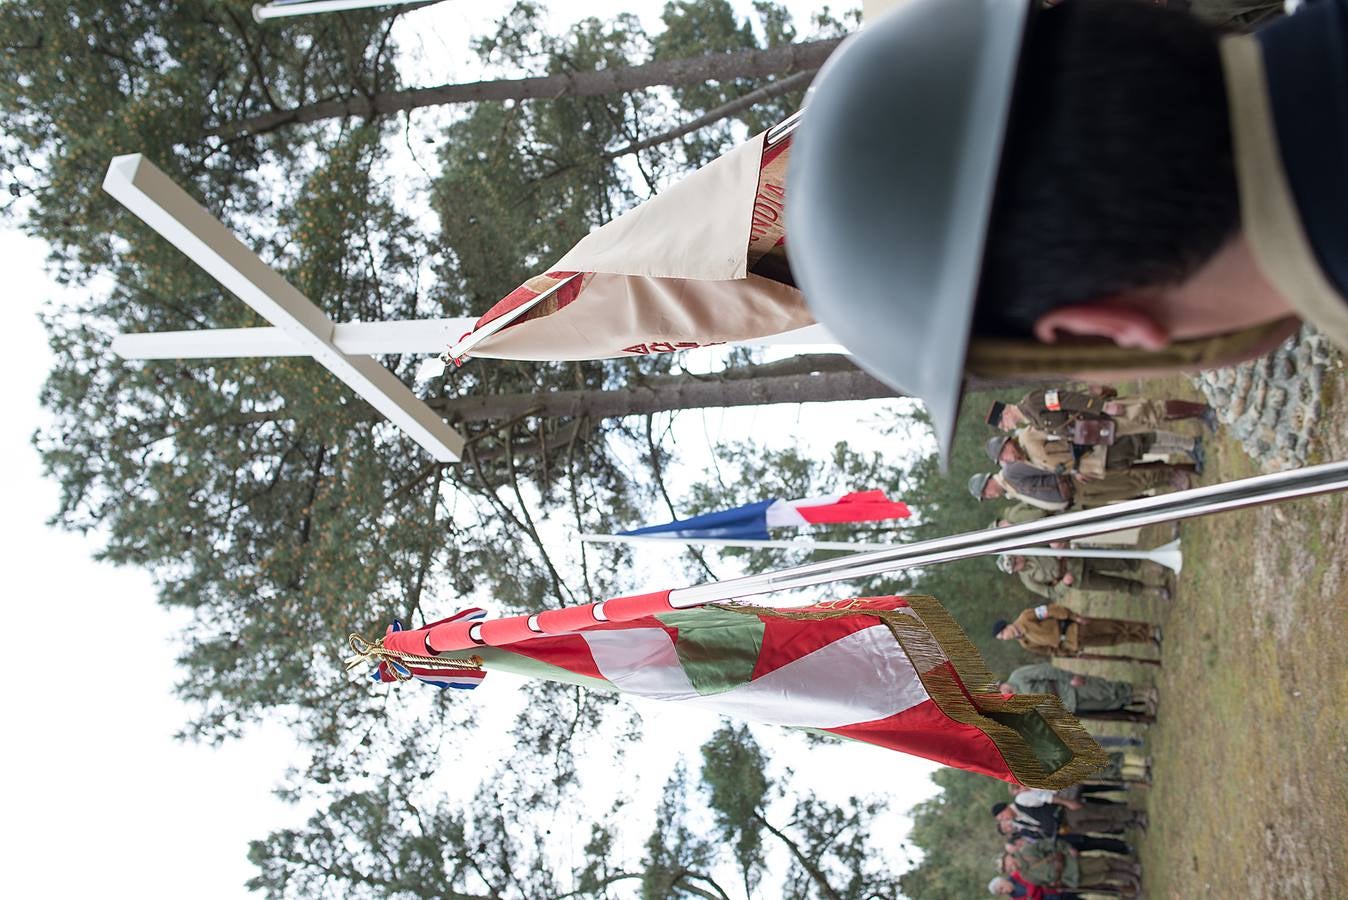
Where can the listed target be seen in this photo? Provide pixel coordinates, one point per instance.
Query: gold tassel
(400, 663)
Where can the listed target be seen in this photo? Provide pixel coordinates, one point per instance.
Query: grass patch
(1250, 796)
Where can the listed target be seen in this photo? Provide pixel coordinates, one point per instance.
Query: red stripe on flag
(569, 651)
(925, 731)
(861, 506)
(787, 640)
(776, 150)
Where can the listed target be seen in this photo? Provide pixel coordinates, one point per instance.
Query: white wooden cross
(302, 329)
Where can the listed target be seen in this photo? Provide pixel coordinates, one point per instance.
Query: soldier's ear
(1123, 324)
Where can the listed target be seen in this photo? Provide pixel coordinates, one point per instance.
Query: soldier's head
(1010, 563)
(1003, 449)
(1005, 416)
(1001, 886)
(985, 486)
(1006, 687)
(1003, 630)
(1108, 193)
(1117, 214)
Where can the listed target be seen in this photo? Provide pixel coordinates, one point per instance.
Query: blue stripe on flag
(742, 523)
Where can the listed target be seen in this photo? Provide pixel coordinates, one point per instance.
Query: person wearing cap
(1051, 577)
(1164, 196)
(1080, 693)
(1054, 864)
(1051, 629)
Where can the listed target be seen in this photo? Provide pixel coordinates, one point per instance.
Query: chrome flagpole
(281, 9)
(1258, 490)
(1168, 555)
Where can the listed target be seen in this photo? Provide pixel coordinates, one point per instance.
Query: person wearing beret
(1054, 630)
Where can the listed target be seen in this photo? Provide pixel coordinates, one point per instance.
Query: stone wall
(1273, 404)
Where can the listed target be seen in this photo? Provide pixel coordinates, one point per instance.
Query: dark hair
(997, 808)
(998, 626)
(1118, 170)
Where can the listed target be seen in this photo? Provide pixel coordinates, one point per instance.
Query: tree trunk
(667, 395)
(691, 70)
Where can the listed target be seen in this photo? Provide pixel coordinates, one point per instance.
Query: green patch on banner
(717, 649)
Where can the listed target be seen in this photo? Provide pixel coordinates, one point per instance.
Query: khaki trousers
(1108, 632)
(1121, 484)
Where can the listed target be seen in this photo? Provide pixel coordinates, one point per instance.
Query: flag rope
(374, 652)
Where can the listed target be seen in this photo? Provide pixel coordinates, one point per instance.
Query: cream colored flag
(701, 263)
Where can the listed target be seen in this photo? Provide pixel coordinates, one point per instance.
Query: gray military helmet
(977, 483)
(891, 181)
(995, 445)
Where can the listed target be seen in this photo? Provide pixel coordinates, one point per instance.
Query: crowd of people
(1057, 450)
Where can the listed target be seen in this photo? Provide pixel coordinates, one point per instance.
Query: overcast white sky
(99, 797)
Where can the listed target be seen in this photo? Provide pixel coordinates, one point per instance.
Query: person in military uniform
(1054, 865)
(1080, 693)
(1044, 814)
(1055, 493)
(1055, 630)
(1125, 767)
(1017, 514)
(1051, 577)
(1052, 454)
(1055, 412)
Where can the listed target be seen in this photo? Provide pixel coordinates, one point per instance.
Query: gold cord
(374, 652)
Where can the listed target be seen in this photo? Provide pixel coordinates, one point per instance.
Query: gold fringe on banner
(931, 638)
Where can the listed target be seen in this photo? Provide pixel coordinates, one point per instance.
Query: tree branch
(753, 63)
(798, 81)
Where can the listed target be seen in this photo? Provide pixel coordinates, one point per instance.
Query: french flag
(751, 522)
